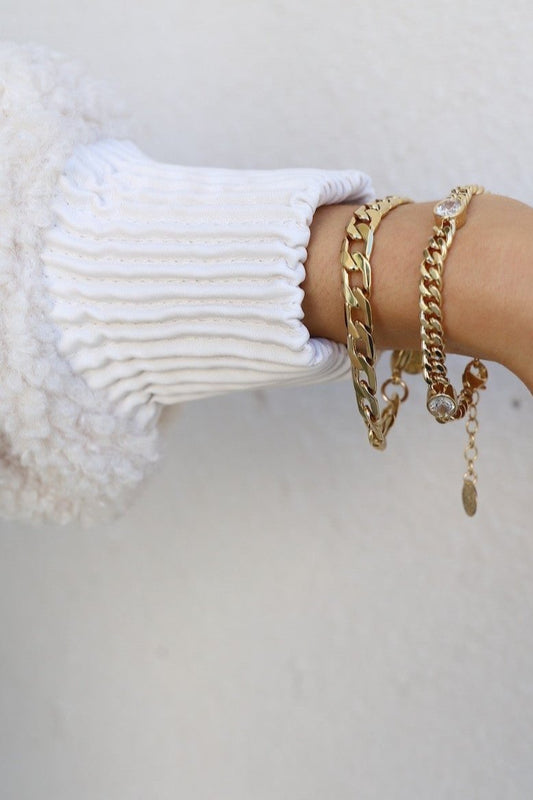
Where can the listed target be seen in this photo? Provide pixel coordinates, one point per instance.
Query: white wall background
(285, 613)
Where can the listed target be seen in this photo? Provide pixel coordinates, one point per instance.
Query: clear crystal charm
(448, 208)
(441, 406)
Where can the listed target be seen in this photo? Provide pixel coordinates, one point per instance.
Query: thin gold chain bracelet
(358, 317)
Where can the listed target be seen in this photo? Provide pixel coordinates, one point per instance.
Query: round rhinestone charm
(448, 208)
(441, 406)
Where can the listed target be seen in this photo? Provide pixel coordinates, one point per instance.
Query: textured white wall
(284, 613)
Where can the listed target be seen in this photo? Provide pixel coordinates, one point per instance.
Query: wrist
(486, 312)
(396, 256)
(489, 284)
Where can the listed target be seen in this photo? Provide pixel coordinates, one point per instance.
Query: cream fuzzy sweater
(127, 285)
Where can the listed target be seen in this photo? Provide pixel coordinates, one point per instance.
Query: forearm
(488, 280)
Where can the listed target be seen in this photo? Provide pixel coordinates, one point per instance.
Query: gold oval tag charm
(469, 497)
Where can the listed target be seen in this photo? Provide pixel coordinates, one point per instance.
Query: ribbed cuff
(173, 283)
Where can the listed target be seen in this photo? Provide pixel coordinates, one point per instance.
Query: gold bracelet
(360, 336)
(443, 403)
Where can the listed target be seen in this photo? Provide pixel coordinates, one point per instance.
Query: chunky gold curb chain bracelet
(443, 403)
(360, 341)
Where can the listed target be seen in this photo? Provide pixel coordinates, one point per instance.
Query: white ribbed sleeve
(172, 283)
(126, 285)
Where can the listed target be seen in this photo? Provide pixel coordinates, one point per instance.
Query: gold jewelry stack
(443, 402)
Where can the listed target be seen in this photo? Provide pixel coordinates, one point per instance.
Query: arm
(128, 284)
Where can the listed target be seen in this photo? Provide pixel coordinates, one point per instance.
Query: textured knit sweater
(127, 285)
